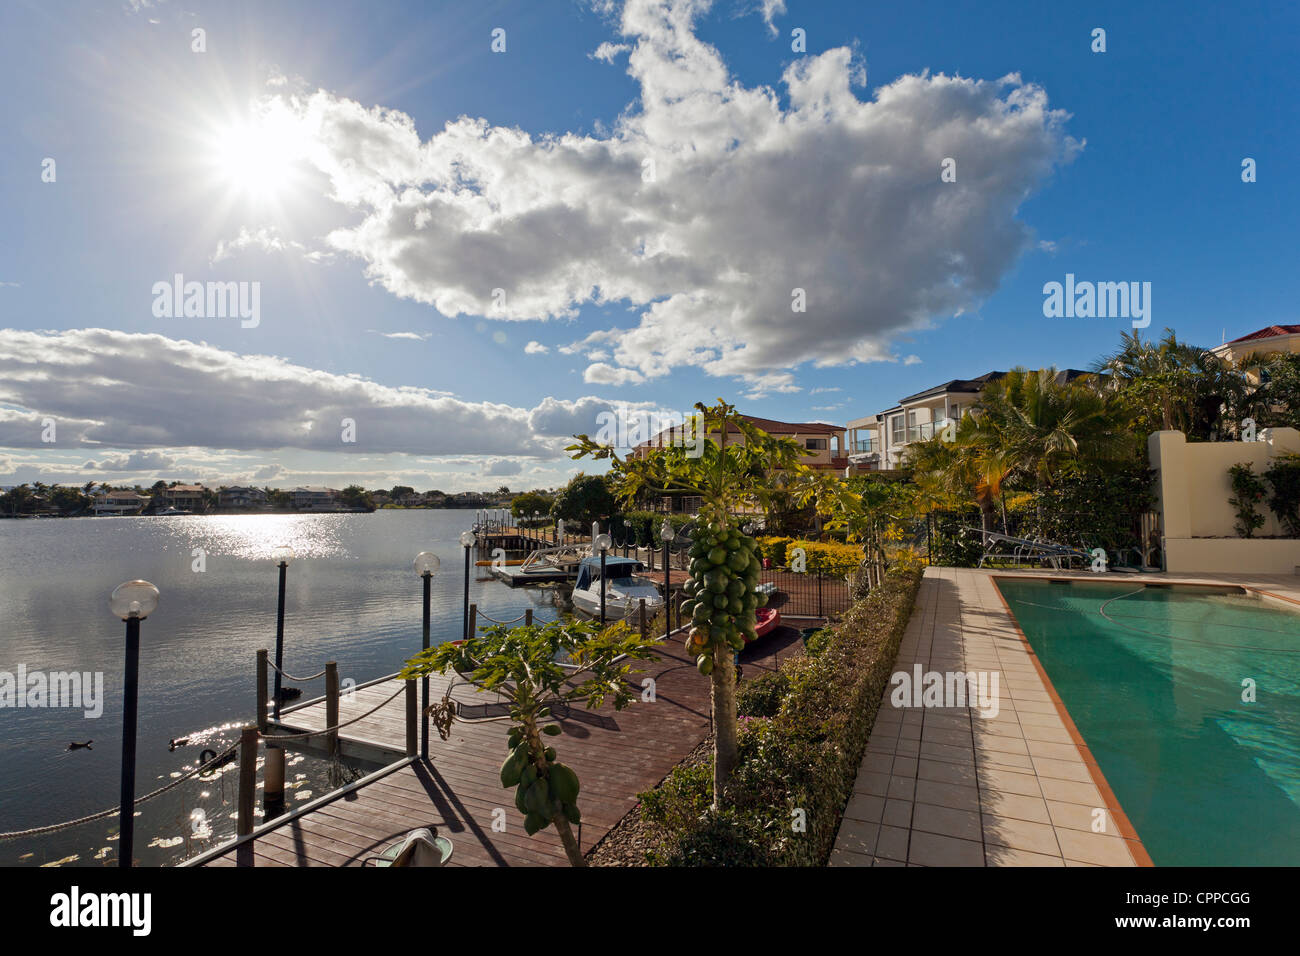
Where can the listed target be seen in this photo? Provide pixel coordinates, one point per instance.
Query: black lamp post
(666, 535)
(426, 566)
(132, 602)
(281, 556)
(603, 542)
(467, 540)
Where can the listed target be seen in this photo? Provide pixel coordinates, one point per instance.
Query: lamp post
(281, 556)
(426, 566)
(467, 540)
(132, 602)
(666, 535)
(603, 542)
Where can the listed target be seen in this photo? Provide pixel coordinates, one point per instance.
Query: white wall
(1193, 488)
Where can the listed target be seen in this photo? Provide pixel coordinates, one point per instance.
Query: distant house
(823, 444)
(120, 503)
(411, 501)
(183, 497)
(314, 498)
(241, 498)
(1259, 344)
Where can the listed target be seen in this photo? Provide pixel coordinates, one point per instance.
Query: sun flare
(259, 156)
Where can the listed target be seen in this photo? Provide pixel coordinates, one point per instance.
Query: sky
(463, 231)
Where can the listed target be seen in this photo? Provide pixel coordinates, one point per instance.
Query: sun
(259, 156)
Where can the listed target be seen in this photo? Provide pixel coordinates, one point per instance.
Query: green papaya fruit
(572, 813)
(564, 783)
(550, 754)
(718, 555)
(521, 804)
(552, 730)
(510, 772)
(534, 822)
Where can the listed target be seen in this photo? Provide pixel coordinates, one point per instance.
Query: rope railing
(336, 727)
(216, 761)
(298, 680)
(513, 620)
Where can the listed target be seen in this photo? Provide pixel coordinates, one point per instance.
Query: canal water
(352, 597)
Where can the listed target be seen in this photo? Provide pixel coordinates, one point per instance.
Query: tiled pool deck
(950, 787)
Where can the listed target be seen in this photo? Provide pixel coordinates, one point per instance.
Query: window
(896, 430)
(816, 444)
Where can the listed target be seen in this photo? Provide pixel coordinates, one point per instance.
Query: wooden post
(261, 691)
(247, 780)
(641, 615)
(473, 620)
(528, 617)
(412, 721)
(332, 706)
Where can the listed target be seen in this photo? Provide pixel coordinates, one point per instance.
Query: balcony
(921, 432)
(864, 446)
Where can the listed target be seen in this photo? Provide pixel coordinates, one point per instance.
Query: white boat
(623, 590)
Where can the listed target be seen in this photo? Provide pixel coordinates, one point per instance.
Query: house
(877, 442)
(1259, 344)
(183, 497)
(823, 444)
(314, 498)
(120, 503)
(241, 498)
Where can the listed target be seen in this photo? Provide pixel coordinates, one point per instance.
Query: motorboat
(623, 589)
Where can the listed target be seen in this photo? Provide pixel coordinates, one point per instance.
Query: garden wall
(1197, 523)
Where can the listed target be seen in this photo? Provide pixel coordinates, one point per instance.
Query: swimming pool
(1154, 679)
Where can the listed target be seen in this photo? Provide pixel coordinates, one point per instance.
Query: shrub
(799, 763)
(1248, 490)
(1283, 477)
(773, 548)
(828, 557)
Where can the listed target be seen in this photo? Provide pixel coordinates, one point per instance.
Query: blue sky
(361, 217)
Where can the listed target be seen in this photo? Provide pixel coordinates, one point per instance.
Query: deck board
(616, 754)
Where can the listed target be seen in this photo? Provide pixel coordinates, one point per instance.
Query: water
(352, 596)
(1154, 681)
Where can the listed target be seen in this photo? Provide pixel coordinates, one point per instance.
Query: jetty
(616, 754)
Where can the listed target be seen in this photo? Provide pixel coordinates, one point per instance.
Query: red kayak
(768, 618)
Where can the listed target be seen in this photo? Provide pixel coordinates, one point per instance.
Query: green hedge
(822, 557)
(803, 734)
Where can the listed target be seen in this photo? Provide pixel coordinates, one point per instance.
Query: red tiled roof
(1271, 331)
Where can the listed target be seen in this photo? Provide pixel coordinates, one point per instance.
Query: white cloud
(771, 9)
(269, 472)
(599, 373)
(912, 360)
(535, 348)
(610, 51)
(503, 466)
(122, 390)
(412, 336)
(136, 461)
(833, 194)
(265, 239)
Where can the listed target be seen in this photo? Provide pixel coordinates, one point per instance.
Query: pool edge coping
(1127, 831)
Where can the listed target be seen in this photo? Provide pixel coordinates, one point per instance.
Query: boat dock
(616, 754)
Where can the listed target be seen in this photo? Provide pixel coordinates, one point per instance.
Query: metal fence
(1130, 539)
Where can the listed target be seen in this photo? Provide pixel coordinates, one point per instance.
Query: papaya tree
(731, 465)
(538, 668)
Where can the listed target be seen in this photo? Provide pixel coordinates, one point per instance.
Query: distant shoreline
(218, 513)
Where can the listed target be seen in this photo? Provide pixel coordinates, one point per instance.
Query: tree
(728, 476)
(523, 665)
(354, 496)
(586, 498)
(400, 491)
(524, 505)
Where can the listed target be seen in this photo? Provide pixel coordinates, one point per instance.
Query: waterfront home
(823, 444)
(120, 503)
(1259, 345)
(877, 442)
(314, 498)
(241, 498)
(183, 497)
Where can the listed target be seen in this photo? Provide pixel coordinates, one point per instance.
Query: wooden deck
(615, 754)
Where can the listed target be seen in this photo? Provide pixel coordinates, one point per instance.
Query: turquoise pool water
(1154, 678)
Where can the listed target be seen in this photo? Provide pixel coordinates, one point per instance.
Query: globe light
(467, 539)
(666, 532)
(282, 555)
(426, 562)
(603, 542)
(133, 599)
